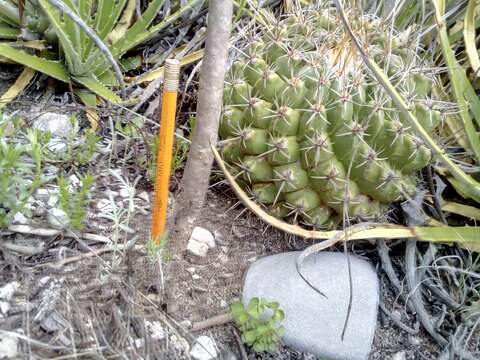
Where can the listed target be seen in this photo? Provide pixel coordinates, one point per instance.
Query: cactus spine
(310, 134)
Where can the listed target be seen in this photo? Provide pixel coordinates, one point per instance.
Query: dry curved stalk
(466, 237)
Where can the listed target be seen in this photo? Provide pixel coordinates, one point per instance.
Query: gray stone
(312, 322)
(197, 248)
(57, 124)
(57, 218)
(61, 128)
(200, 241)
(203, 236)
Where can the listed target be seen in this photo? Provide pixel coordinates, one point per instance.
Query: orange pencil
(165, 149)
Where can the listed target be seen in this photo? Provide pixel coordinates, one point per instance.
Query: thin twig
(243, 352)
(214, 321)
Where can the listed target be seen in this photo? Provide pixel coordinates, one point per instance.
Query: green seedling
(259, 323)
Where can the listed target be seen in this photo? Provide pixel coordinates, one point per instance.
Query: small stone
(223, 304)
(196, 277)
(42, 194)
(191, 270)
(8, 346)
(57, 124)
(203, 236)
(19, 219)
(7, 291)
(314, 323)
(57, 218)
(197, 248)
(156, 329)
(401, 355)
(204, 349)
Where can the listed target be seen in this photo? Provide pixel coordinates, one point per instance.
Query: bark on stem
(194, 185)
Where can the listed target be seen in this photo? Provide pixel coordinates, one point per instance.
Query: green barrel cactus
(310, 134)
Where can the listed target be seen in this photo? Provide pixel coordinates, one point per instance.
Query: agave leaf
(51, 68)
(107, 15)
(469, 36)
(464, 190)
(131, 63)
(469, 212)
(458, 79)
(71, 27)
(123, 24)
(85, 9)
(133, 37)
(134, 32)
(84, 69)
(9, 33)
(17, 88)
(98, 88)
(68, 37)
(9, 13)
(467, 237)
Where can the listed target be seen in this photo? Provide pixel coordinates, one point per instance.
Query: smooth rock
(57, 124)
(203, 236)
(204, 349)
(312, 322)
(61, 128)
(197, 248)
(57, 218)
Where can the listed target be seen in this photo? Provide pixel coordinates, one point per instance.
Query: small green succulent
(259, 323)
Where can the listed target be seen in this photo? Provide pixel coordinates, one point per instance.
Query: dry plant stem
(214, 321)
(94, 253)
(441, 294)
(397, 321)
(243, 352)
(390, 272)
(416, 294)
(194, 185)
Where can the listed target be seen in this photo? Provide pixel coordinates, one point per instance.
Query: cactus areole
(310, 134)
